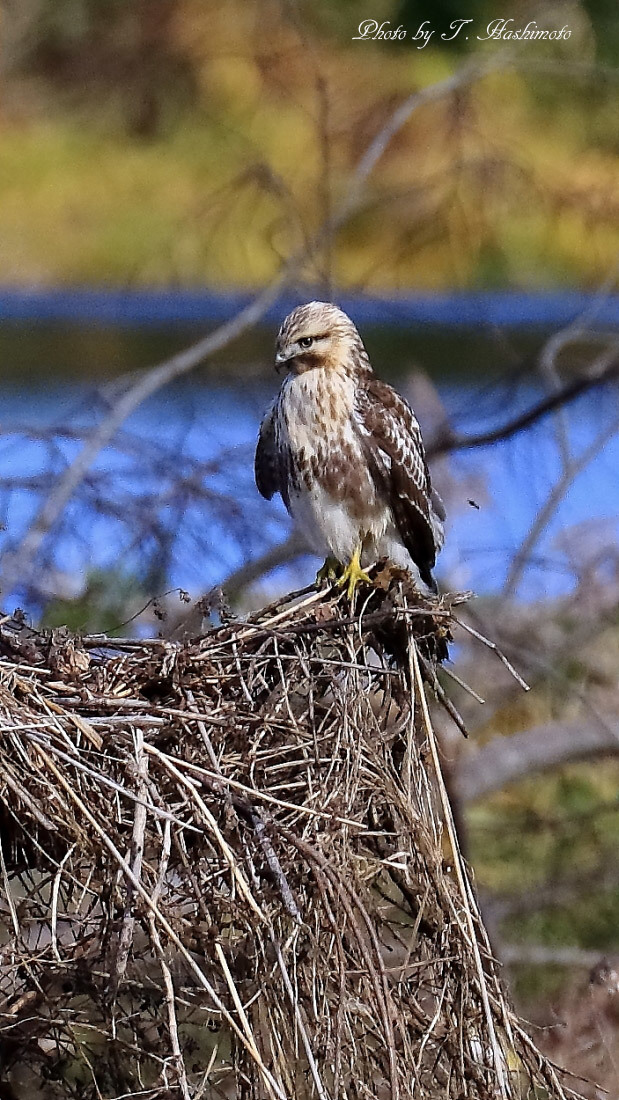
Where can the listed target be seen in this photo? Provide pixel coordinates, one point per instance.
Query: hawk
(345, 453)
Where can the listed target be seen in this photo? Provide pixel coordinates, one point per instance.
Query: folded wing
(395, 454)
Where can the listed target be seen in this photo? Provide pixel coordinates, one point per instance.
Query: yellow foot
(329, 571)
(353, 574)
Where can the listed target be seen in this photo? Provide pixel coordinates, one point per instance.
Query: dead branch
(286, 881)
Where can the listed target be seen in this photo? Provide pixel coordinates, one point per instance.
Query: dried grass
(230, 867)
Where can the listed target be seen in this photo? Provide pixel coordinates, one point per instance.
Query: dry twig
(284, 923)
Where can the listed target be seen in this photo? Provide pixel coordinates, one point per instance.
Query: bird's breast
(317, 406)
(317, 429)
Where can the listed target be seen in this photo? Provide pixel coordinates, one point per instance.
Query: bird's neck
(320, 392)
(317, 405)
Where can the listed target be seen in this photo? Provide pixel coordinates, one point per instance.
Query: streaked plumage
(345, 451)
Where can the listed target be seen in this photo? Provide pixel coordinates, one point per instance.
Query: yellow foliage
(487, 187)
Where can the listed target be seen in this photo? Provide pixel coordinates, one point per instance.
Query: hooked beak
(280, 361)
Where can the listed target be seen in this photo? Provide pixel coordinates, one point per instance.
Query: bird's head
(319, 335)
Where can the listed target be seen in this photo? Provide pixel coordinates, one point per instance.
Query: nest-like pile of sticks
(230, 870)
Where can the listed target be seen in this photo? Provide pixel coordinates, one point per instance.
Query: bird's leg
(353, 574)
(329, 571)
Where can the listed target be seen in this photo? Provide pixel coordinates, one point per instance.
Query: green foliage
(603, 16)
(547, 848)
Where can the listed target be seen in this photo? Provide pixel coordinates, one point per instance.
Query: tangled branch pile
(229, 867)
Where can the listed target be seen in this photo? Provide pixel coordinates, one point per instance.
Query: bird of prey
(345, 453)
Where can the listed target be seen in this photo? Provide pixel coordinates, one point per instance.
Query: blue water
(143, 307)
(228, 523)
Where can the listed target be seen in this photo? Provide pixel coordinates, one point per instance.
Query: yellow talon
(353, 574)
(328, 572)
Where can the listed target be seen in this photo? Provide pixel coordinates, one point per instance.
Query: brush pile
(229, 866)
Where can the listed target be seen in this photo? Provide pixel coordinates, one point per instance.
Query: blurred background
(174, 176)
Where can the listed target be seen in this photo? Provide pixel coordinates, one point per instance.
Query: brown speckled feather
(394, 450)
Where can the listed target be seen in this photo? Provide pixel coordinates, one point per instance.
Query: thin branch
(125, 939)
(448, 441)
(122, 863)
(237, 581)
(572, 470)
(17, 565)
(469, 904)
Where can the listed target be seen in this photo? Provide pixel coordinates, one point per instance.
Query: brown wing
(394, 450)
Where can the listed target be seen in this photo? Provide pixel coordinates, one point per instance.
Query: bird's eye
(306, 341)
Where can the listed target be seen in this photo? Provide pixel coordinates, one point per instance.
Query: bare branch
(447, 440)
(573, 468)
(18, 564)
(505, 760)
